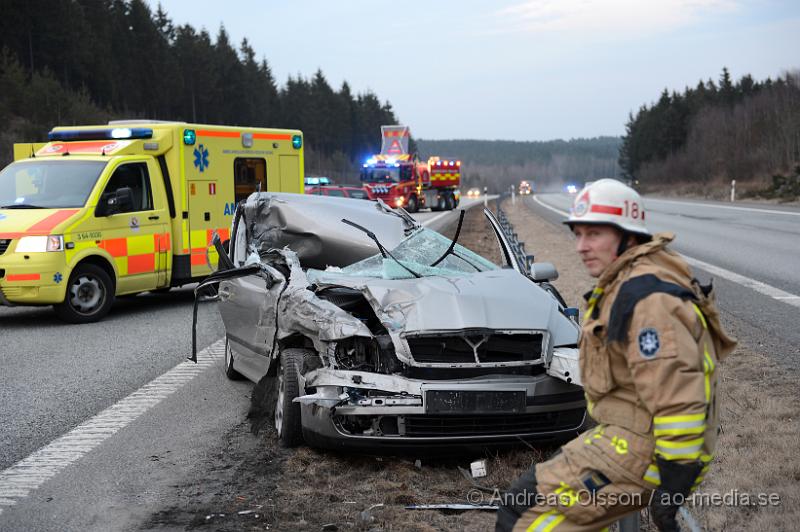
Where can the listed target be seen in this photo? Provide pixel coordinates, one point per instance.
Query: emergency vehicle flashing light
(297, 142)
(189, 137)
(101, 134)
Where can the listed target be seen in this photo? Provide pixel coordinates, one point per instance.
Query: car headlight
(40, 244)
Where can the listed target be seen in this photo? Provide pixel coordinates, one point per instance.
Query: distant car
(571, 189)
(342, 192)
(474, 193)
(365, 329)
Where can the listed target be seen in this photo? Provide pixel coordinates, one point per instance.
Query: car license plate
(474, 402)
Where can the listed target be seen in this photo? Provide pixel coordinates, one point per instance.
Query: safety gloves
(677, 480)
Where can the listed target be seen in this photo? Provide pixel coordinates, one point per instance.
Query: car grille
(4, 243)
(420, 426)
(492, 348)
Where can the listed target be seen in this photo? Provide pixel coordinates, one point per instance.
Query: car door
(248, 307)
(133, 236)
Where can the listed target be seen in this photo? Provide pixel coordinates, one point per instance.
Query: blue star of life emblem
(649, 343)
(57, 278)
(201, 157)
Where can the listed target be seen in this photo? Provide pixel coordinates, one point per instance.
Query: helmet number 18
(632, 209)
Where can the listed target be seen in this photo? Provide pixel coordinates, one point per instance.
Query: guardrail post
(733, 190)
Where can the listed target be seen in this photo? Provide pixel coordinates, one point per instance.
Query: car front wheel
(90, 294)
(287, 412)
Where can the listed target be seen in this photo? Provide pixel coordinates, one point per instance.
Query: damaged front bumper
(354, 408)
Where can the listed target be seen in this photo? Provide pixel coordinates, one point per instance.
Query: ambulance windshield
(34, 184)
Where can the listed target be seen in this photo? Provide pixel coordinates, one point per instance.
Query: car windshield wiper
(384, 252)
(450, 250)
(22, 206)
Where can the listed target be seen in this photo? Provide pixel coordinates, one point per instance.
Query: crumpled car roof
(312, 227)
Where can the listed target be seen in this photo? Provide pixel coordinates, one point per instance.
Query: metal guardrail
(517, 246)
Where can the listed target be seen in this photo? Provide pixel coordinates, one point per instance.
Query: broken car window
(416, 252)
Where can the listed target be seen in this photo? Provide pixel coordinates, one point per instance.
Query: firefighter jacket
(650, 345)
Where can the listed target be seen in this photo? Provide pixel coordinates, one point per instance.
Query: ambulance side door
(136, 232)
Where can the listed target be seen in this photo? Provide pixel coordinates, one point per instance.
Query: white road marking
(762, 288)
(546, 206)
(758, 286)
(431, 220)
(466, 204)
(17, 481)
(731, 207)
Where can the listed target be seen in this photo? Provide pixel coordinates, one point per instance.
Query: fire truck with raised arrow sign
(400, 179)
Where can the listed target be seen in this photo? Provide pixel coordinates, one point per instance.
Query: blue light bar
(101, 134)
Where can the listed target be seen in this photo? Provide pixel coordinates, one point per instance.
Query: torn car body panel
(426, 342)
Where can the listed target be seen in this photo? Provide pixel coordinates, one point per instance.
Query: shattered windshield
(418, 252)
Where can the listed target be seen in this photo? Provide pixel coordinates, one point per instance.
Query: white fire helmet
(609, 202)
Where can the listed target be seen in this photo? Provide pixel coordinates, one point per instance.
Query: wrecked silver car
(376, 331)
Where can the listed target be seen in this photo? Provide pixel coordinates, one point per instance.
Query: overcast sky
(510, 69)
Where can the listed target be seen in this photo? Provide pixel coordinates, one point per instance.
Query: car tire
(231, 373)
(90, 294)
(413, 204)
(287, 412)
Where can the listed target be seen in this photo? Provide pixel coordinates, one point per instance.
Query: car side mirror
(543, 271)
(120, 201)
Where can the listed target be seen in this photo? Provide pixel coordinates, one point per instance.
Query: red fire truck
(400, 179)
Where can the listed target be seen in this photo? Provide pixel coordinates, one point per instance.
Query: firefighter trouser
(598, 478)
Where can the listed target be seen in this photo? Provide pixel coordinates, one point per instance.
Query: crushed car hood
(478, 301)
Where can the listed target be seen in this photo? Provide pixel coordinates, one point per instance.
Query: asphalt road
(751, 251)
(62, 467)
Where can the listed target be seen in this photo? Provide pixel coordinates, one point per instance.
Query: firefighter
(650, 346)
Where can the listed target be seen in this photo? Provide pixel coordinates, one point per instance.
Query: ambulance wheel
(90, 294)
(441, 203)
(287, 412)
(450, 201)
(413, 205)
(231, 373)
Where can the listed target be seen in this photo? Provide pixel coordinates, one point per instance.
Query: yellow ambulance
(128, 207)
